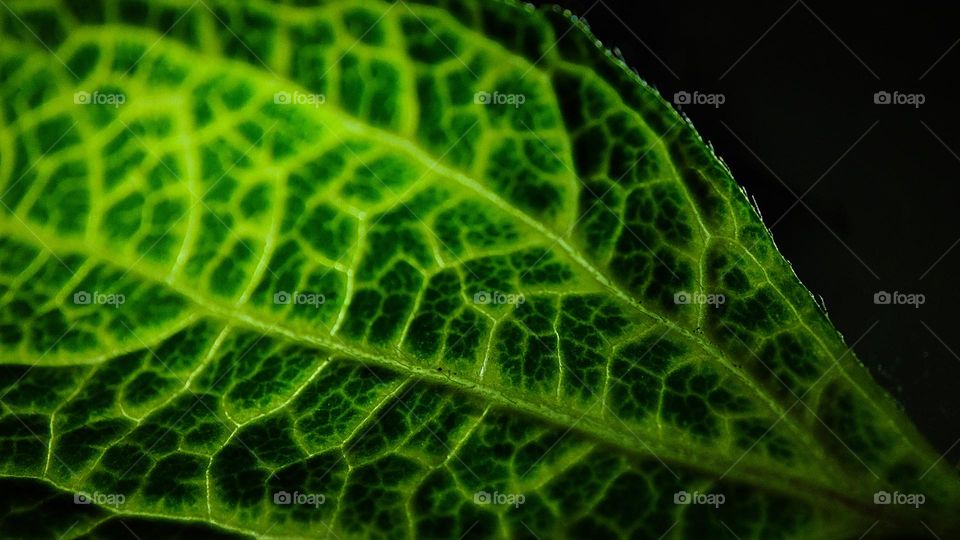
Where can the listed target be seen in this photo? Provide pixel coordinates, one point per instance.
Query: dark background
(881, 213)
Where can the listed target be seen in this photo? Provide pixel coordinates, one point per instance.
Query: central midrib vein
(355, 127)
(537, 409)
(695, 457)
(428, 161)
(410, 148)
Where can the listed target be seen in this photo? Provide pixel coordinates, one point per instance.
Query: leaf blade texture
(370, 269)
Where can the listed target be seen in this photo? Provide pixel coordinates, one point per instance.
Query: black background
(799, 80)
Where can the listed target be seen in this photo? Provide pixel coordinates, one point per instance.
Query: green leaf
(370, 269)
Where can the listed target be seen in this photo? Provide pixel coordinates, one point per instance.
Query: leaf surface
(448, 269)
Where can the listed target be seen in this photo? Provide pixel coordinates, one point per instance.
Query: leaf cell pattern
(323, 251)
